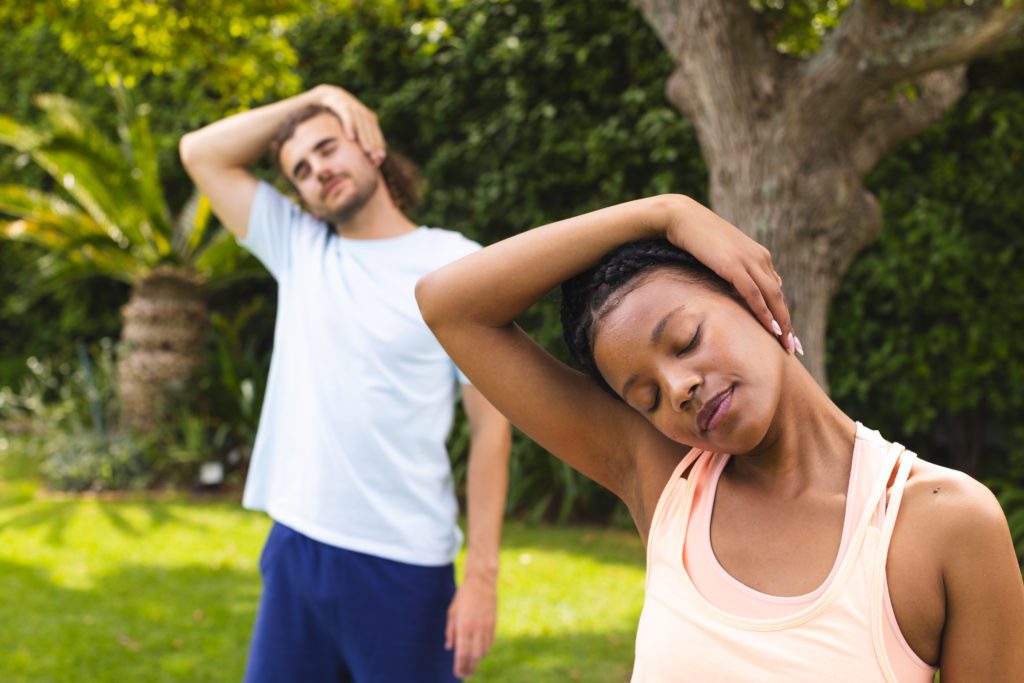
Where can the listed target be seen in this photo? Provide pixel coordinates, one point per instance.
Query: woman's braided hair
(589, 296)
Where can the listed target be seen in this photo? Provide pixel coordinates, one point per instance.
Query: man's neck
(378, 219)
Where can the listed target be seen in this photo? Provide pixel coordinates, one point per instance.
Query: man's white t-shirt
(351, 443)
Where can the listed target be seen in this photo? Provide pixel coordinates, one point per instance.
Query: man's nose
(321, 170)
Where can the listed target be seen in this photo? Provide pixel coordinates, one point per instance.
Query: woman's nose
(680, 387)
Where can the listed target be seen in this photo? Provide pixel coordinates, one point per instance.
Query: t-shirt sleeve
(273, 221)
(461, 246)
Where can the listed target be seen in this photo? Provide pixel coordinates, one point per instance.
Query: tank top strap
(688, 459)
(892, 507)
(889, 460)
(672, 512)
(878, 584)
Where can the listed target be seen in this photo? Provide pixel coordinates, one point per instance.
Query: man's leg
(393, 629)
(290, 641)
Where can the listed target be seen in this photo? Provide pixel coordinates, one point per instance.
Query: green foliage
(798, 27)
(234, 383)
(925, 330)
(117, 223)
(62, 410)
(1011, 498)
(31, 62)
(520, 113)
(232, 50)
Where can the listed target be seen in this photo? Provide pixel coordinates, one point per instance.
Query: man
(349, 461)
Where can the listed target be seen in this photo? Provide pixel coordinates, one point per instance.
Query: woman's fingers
(738, 259)
(780, 323)
(751, 293)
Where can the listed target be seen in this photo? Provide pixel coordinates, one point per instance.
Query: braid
(587, 297)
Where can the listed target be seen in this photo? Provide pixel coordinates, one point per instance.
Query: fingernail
(790, 344)
(799, 346)
(776, 329)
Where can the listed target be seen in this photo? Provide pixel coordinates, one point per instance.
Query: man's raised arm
(217, 156)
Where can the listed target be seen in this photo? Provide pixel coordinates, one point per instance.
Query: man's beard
(351, 207)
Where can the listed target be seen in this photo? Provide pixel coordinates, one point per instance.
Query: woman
(817, 551)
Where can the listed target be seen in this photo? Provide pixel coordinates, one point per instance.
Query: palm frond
(21, 137)
(221, 258)
(41, 207)
(110, 215)
(192, 225)
(141, 154)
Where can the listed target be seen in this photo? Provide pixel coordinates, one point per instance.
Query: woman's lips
(712, 414)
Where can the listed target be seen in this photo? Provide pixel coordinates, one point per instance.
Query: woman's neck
(808, 446)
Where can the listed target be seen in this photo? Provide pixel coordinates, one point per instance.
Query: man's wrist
(481, 568)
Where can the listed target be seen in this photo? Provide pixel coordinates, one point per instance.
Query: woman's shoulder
(950, 510)
(946, 490)
(955, 521)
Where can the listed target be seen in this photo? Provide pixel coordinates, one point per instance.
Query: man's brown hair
(400, 174)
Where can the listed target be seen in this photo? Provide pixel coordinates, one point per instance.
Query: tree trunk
(164, 327)
(788, 141)
(805, 205)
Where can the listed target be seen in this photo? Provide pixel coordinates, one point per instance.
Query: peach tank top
(701, 624)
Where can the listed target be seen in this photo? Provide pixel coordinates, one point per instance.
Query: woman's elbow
(426, 298)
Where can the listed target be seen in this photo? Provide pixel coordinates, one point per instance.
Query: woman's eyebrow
(659, 328)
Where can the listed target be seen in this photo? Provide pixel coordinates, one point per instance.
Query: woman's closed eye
(692, 344)
(655, 400)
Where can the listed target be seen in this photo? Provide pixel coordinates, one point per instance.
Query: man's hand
(472, 617)
(357, 120)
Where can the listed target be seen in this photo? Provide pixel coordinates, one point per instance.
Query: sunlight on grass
(167, 591)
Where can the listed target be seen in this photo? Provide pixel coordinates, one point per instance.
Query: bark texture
(788, 141)
(165, 323)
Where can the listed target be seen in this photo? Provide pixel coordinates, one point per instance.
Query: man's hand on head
(357, 120)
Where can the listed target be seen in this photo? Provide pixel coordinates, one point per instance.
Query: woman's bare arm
(471, 306)
(983, 637)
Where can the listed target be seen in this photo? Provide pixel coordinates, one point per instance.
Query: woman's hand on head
(737, 259)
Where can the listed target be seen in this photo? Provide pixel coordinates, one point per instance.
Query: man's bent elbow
(187, 149)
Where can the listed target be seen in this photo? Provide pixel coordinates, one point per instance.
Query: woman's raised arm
(471, 306)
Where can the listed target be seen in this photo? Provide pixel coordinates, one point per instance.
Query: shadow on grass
(57, 514)
(54, 516)
(136, 624)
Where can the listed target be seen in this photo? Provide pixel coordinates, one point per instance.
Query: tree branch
(663, 17)
(878, 45)
(887, 118)
(725, 61)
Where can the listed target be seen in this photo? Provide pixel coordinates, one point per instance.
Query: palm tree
(109, 218)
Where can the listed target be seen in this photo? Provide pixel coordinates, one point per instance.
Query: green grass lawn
(166, 590)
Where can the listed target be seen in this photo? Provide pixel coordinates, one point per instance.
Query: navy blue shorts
(330, 614)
